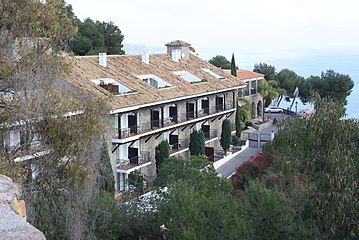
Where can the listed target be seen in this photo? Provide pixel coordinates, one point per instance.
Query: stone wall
(12, 212)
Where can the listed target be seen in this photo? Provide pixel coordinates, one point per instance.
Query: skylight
(213, 74)
(112, 85)
(154, 81)
(189, 77)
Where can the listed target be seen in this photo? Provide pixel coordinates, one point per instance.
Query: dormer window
(154, 81)
(189, 77)
(112, 85)
(213, 74)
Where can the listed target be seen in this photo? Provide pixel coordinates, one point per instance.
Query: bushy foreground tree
(62, 126)
(320, 155)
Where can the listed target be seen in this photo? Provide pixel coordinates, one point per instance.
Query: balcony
(131, 164)
(169, 121)
(180, 145)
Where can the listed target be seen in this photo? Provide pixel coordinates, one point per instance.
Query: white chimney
(176, 55)
(102, 59)
(146, 57)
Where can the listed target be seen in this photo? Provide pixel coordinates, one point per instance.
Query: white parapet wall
(219, 163)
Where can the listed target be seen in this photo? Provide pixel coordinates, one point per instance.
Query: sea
(303, 62)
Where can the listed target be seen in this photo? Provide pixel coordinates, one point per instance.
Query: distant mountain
(141, 48)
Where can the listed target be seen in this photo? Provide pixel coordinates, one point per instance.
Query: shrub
(250, 169)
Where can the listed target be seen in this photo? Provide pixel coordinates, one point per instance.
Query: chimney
(146, 57)
(102, 59)
(182, 50)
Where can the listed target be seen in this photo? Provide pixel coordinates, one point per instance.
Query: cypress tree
(233, 66)
(162, 153)
(226, 135)
(196, 143)
(238, 121)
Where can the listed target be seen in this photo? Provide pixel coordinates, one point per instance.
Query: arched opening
(253, 112)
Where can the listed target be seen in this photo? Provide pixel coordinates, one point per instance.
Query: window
(112, 85)
(189, 77)
(213, 74)
(154, 81)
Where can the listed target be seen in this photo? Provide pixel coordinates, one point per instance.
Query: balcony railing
(178, 146)
(128, 163)
(149, 126)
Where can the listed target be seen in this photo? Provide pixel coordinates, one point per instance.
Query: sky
(276, 28)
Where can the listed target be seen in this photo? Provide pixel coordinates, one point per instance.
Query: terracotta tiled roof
(125, 68)
(178, 43)
(246, 74)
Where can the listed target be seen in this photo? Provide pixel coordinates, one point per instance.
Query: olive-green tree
(58, 182)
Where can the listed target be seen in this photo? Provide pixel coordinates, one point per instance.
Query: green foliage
(139, 219)
(336, 85)
(176, 169)
(267, 70)
(106, 178)
(190, 214)
(95, 37)
(245, 114)
(226, 136)
(270, 215)
(196, 143)
(238, 122)
(233, 67)
(220, 61)
(135, 181)
(162, 152)
(289, 80)
(323, 150)
(104, 215)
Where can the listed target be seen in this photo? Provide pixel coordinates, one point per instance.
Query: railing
(203, 112)
(181, 144)
(133, 161)
(155, 124)
(190, 115)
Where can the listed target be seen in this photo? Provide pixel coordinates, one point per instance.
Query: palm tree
(269, 89)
